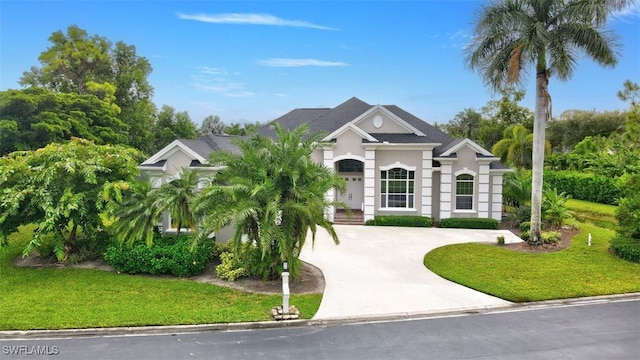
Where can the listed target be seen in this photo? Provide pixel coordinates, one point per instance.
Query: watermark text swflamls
(30, 350)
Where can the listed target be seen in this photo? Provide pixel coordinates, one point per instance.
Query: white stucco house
(393, 162)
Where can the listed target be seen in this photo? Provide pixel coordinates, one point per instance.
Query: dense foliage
(469, 223)
(273, 194)
(584, 186)
(33, 118)
(63, 188)
(400, 220)
(626, 248)
(512, 38)
(167, 255)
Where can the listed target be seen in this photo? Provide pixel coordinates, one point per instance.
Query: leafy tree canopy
(63, 187)
(77, 62)
(172, 125)
(273, 192)
(32, 118)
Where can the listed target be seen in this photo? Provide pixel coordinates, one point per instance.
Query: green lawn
(577, 271)
(600, 215)
(75, 298)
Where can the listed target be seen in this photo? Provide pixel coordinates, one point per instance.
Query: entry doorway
(352, 171)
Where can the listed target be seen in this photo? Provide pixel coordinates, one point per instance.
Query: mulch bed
(566, 234)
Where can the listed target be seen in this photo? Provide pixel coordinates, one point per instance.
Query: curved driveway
(379, 271)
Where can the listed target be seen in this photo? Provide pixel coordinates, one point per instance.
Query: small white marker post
(285, 288)
(589, 239)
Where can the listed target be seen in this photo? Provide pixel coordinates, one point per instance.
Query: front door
(353, 194)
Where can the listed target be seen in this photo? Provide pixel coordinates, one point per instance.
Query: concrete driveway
(379, 271)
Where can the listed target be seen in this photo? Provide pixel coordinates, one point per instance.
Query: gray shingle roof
(207, 144)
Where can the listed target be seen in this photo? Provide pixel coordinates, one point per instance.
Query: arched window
(464, 192)
(397, 188)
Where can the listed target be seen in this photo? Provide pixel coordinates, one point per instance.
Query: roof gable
(173, 147)
(350, 127)
(388, 114)
(458, 144)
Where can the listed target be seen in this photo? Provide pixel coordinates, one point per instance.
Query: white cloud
(212, 80)
(632, 10)
(286, 62)
(459, 39)
(250, 19)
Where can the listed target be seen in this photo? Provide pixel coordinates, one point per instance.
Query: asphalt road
(592, 331)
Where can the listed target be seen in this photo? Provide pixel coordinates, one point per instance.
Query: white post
(285, 289)
(589, 239)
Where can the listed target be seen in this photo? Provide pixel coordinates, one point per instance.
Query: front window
(397, 188)
(464, 192)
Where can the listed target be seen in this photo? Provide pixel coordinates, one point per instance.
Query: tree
(235, 129)
(211, 125)
(574, 125)
(272, 192)
(172, 125)
(32, 118)
(515, 147)
(511, 35)
(140, 211)
(465, 124)
(134, 95)
(75, 60)
(631, 93)
(72, 60)
(63, 188)
(499, 114)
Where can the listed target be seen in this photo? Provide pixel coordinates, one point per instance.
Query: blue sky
(256, 60)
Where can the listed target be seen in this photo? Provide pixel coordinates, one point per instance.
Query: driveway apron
(379, 271)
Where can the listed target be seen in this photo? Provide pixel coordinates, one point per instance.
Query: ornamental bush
(584, 186)
(469, 223)
(626, 248)
(167, 255)
(400, 220)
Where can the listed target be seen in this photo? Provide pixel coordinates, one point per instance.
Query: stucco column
(427, 182)
(330, 211)
(483, 191)
(446, 167)
(496, 197)
(369, 184)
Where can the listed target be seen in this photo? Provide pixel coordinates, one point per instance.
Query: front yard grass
(57, 298)
(577, 271)
(600, 215)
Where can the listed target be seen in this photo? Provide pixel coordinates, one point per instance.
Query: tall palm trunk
(540, 117)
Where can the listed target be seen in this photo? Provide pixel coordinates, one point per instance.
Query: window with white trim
(464, 192)
(397, 188)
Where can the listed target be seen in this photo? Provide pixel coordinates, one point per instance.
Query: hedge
(167, 255)
(469, 223)
(626, 248)
(584, 186)
(400, 220)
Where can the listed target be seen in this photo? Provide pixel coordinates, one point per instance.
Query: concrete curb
(187, 329)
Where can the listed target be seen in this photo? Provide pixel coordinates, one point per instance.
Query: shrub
(469, 223)
(625, 248)
(525, 226)
(549, 237)
(525, 236)
(230, 267)
(167, 255)
(628, 213)
(397, 220)
(554, 207)
(500, 240)
(519, 215)
(584, 186)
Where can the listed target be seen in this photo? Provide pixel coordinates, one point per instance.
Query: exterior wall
(435, 193)
(348, 143)
(176, 162)
(496, 196)
(317, 156)
(389, 126)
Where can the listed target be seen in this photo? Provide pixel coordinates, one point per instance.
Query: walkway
(379, 271)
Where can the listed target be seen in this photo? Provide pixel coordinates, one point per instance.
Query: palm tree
(516, 146)
(272, 193)
(511, 35)
(177, 197)
(141, 209)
